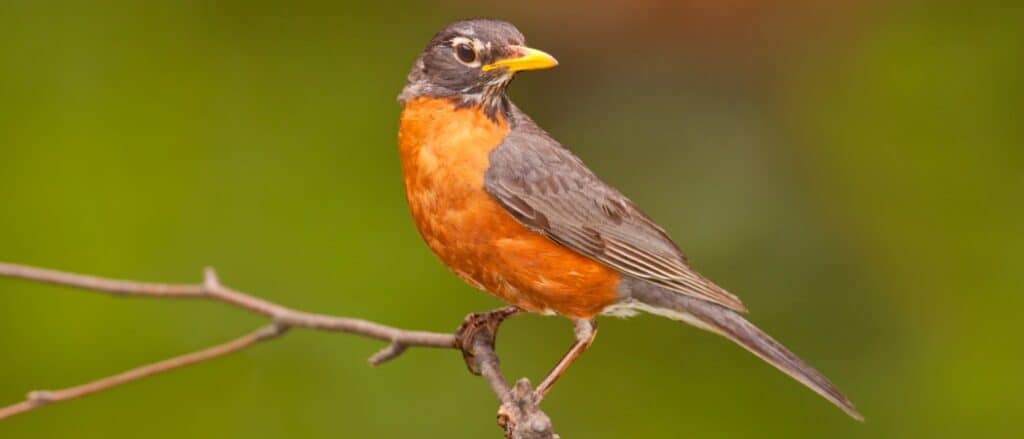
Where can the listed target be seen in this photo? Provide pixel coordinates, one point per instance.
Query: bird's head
(472, 63)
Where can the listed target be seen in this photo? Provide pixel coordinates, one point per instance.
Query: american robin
(514, 213)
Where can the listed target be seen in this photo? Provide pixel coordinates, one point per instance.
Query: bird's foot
(483, 324)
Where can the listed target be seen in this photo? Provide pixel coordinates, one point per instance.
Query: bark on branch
(518, 415)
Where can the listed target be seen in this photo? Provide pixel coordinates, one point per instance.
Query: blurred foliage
(853, 171)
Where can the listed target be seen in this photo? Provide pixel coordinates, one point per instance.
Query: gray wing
(549, 190)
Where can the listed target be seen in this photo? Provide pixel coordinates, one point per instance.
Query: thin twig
(518, 415)
(389, 352)
(40, 398)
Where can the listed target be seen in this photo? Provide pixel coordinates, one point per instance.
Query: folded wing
(549, 190)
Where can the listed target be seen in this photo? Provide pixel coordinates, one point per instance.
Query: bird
(514, 213)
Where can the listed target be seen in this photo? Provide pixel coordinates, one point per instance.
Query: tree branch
(518, 415)
(40, 398)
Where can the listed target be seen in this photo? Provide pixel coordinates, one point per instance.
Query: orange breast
(444, 156)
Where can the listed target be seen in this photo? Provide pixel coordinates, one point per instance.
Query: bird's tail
(718, 319)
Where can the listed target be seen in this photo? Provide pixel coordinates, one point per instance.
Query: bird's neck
(492, 101)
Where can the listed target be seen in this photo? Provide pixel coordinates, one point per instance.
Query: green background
(853, 171)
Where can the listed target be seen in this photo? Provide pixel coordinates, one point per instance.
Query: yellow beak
(525, 59)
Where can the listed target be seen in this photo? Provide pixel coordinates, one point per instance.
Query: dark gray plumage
(733, 326)
(436, 72)
(549, 190)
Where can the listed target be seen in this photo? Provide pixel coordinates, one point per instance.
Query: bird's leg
(471, 327)
(586, 331)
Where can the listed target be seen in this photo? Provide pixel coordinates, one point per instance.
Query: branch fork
(519, 415)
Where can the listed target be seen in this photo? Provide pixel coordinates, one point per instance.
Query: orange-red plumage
(444, 153)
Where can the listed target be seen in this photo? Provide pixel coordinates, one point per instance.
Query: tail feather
(706, 315)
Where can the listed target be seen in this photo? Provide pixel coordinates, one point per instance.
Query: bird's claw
(472, 326)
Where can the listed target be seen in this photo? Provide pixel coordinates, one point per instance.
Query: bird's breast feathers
(445, 155)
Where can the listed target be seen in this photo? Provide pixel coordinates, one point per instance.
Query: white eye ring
(465, 51)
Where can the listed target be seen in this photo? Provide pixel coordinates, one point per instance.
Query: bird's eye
(465, 52)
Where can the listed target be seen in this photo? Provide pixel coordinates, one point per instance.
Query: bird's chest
(444, 154)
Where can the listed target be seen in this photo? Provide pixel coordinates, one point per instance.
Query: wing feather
(548, 189)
